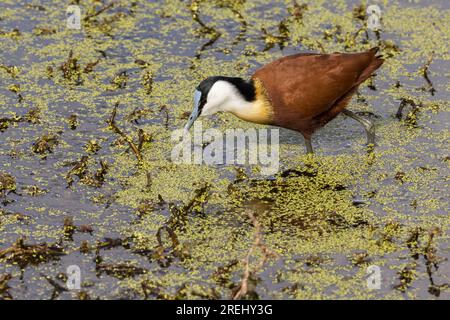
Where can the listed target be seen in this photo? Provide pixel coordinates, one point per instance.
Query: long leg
(366, 123)
(308, 145)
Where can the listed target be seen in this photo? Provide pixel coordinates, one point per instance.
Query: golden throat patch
(261, 110)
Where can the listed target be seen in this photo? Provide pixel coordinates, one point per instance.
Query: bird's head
(216, 94)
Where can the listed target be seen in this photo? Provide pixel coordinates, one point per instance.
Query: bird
(300, 92)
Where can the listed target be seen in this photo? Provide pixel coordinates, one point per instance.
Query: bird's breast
(260, 110)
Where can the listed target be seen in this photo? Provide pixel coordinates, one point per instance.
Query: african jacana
(301, 92)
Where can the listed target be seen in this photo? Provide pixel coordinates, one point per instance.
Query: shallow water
(388, 208)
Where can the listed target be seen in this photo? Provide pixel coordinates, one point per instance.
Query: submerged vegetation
(86, 118)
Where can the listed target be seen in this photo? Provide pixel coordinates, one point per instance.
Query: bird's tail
(374, 64)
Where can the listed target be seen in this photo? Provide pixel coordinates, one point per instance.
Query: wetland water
(73, 191)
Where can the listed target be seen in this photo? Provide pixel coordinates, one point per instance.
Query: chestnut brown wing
(304, 86)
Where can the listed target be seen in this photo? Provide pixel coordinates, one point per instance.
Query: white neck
(224, 96)
(237, 104)
(249, 111)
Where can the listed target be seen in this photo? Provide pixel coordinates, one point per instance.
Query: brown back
(305, 88)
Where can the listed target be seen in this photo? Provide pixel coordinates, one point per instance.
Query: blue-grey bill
(195, 112)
